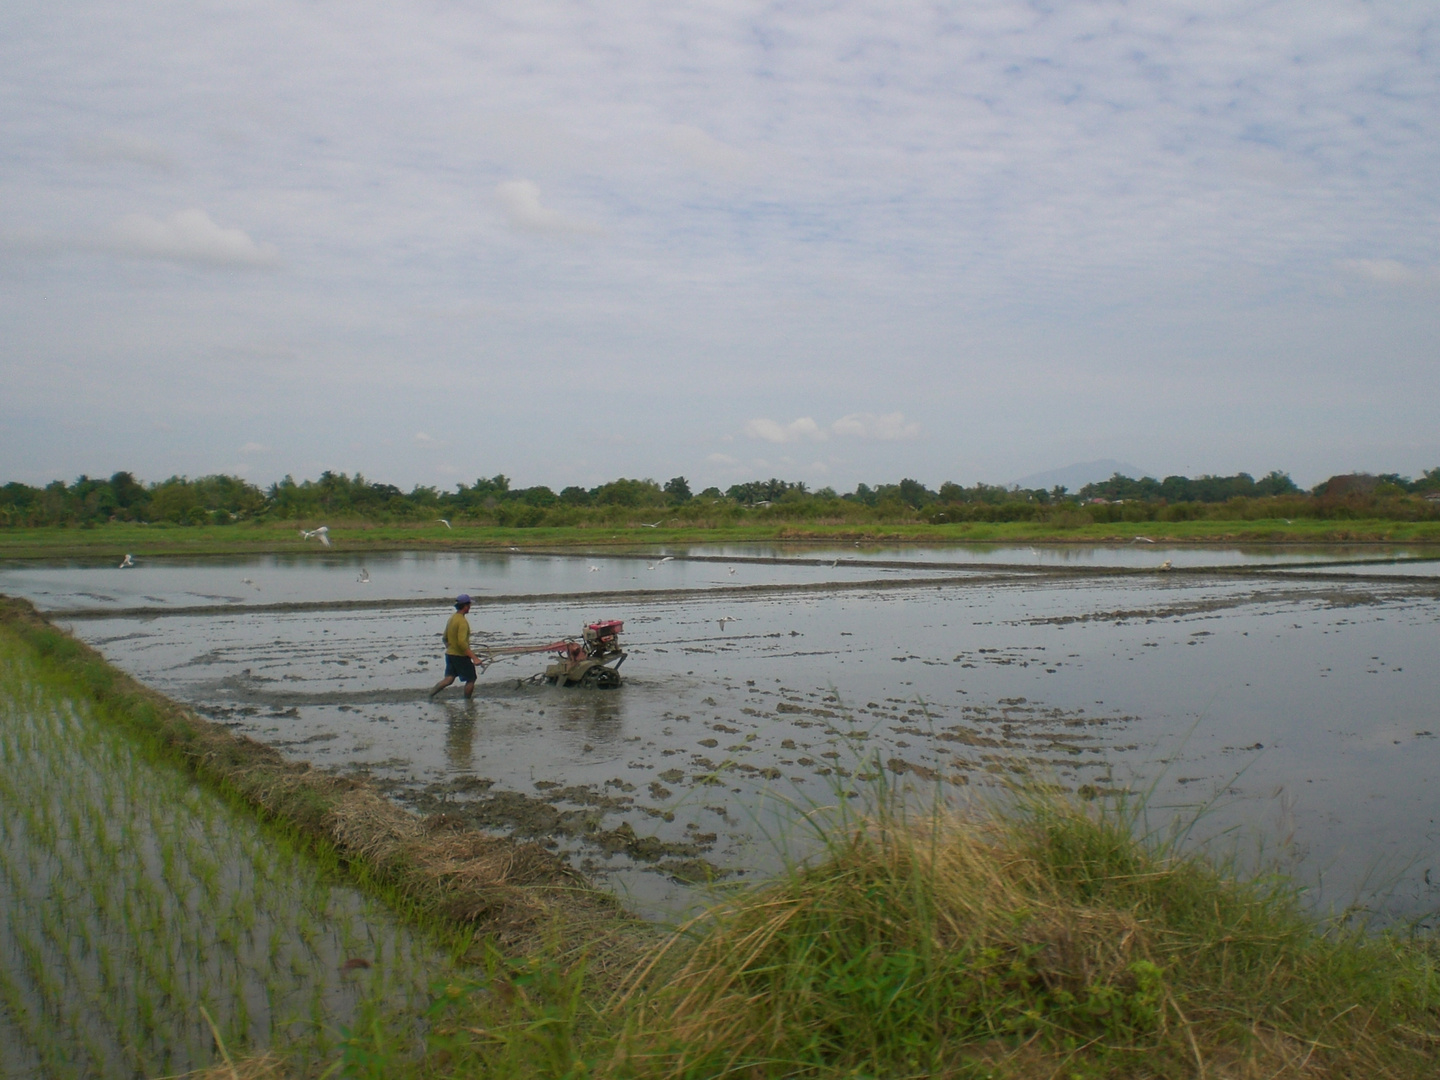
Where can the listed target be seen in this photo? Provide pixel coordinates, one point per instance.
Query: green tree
(678, 489)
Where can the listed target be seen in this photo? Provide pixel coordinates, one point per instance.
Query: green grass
(103, 542)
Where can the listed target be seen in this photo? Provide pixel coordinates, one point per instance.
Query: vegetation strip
(357, 535)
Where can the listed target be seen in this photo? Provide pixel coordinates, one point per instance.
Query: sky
(835, 242)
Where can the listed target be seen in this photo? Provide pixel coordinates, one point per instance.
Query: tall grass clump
(1044, 940)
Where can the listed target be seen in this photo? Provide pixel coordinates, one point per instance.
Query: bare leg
(470, 689)
(446, 681)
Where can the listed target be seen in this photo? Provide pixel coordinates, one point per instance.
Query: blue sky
(835, 242)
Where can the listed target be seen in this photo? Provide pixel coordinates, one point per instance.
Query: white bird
(726, 619)
(593, 569)
(444, 522)
(127, 561)
(732, 570)
(1142, 540)
(364, 577)
(667, 558)
(651, 524)
(322, 534)
(250, 582)
(1166, 565)
(834, 564)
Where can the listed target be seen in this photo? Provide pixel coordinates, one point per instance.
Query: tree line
(219, 500)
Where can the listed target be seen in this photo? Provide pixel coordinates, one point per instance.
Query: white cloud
(520, 200)
(1392, 272)
(771, 431)
(889, 426)
(188, 236)
(254, 448)
(422, 439)
(118, 146)
(706, 152)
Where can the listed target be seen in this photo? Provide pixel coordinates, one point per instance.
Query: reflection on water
(1296, 708)
(460, 734)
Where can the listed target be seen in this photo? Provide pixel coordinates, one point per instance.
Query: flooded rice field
(268, 581)
(1293, 710)
(137, 909)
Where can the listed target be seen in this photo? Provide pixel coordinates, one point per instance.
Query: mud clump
(545, 821)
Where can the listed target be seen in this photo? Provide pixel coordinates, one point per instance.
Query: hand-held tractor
(594, 660)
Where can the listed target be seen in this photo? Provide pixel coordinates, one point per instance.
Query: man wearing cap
(459, 660)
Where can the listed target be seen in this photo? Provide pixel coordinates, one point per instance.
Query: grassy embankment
(112, 540)
(1043, 941)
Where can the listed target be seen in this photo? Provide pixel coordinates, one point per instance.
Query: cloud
(887, 427)
(254, 448)
(722, 459)
(118, 146)
(1391, 272)
(188, 237)
(705, 152)
(520, 201)
(422, 439)
(771, 431)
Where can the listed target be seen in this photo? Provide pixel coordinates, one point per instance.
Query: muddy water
(1301, 714)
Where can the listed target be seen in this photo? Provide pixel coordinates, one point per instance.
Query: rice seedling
(154, 917)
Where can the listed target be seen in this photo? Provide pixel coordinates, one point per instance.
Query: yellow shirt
(457, 636)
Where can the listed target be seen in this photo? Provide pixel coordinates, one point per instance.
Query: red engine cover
(607, 629)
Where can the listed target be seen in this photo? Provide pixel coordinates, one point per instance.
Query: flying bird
(322, 534)
(444, 522)
(364, 577)
(127, 561)
(593, 569)
(726, 619)
(1142, 540)
(250, 582)
(651, 524)
(1166, 565)
(732, 570)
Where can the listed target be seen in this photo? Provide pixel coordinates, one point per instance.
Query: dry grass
(1044, 944)
(262, 1067)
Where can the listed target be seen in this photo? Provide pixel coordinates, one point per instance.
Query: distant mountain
(1074, 477)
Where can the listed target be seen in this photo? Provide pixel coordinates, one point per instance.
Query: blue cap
(462, 600)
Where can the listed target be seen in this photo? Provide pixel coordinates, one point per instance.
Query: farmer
(459, 660)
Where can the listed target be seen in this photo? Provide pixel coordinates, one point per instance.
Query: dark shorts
(462, 667)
